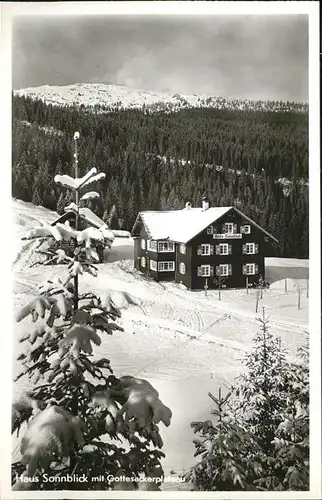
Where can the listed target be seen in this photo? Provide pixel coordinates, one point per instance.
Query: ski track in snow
(183, 342)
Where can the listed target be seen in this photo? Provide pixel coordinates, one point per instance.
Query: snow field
(185, 343)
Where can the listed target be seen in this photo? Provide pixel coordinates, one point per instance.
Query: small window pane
(153, 265)
(152, 246)
(205, 270)
(182, 268)
(165, 246)
(166, 266)
(223, 269)
(229, 227)
(250, 248)
(250, 268)
(205, 249)
(223, 248)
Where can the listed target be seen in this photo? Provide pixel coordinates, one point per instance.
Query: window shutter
(230, 270)
(211, 270)
(199, 273)
(256, 269)
(244, 248)
(244, 270)
(235, 228)
(211, 249)
(214, 230)
(223, 228)
(256, 248)
(242, 229)
(230, 249)
(217, 270)
(217, 250)
(199, 250)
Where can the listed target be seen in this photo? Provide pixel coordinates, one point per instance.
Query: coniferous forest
(256, 160)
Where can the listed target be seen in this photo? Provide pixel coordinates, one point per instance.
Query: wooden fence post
(285, 285)
(257, 297)
(206, 286)
(247, 285)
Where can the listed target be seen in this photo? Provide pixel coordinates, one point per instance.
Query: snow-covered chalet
(201, 246)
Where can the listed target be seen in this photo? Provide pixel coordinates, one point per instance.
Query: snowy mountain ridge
(106, 97)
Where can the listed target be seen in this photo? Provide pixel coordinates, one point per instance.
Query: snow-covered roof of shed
(85, 213)
(91, 217)
(182, 225)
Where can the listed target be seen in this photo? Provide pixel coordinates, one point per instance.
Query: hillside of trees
(156, 161)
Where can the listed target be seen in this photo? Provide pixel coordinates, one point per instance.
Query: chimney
(188, 205)
(205, 203)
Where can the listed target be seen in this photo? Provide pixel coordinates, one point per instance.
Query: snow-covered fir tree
(259, 440)
(78, 419)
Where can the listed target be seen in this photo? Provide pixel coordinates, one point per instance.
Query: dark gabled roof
(85, 214)
(183, 225)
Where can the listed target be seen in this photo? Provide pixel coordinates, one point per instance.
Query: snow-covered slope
(183, 342)
(118, 96)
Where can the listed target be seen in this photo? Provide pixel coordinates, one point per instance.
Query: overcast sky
(255, 57)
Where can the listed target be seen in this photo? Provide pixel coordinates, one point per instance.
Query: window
(152, 246)
(166, 266)
(249, 269)
(182, 248)
(210, 230)
(153, 265)
(142, 261)
(165, 246)
(182, 268)
(143, 244)
(229, 227)
(205, 249)
(223, 270)
(204, 271)
(223, 249)
(250, 248)
(245, 229)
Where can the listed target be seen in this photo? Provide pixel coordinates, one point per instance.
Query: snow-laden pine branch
(91, 195)
(78, 182)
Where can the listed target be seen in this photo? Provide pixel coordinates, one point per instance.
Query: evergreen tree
(75, 401)
(260, 148)
(260, 439)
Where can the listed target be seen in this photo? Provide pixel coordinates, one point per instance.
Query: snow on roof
(183, 225)
(91, 217)
(180, 225)
(84, 213)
